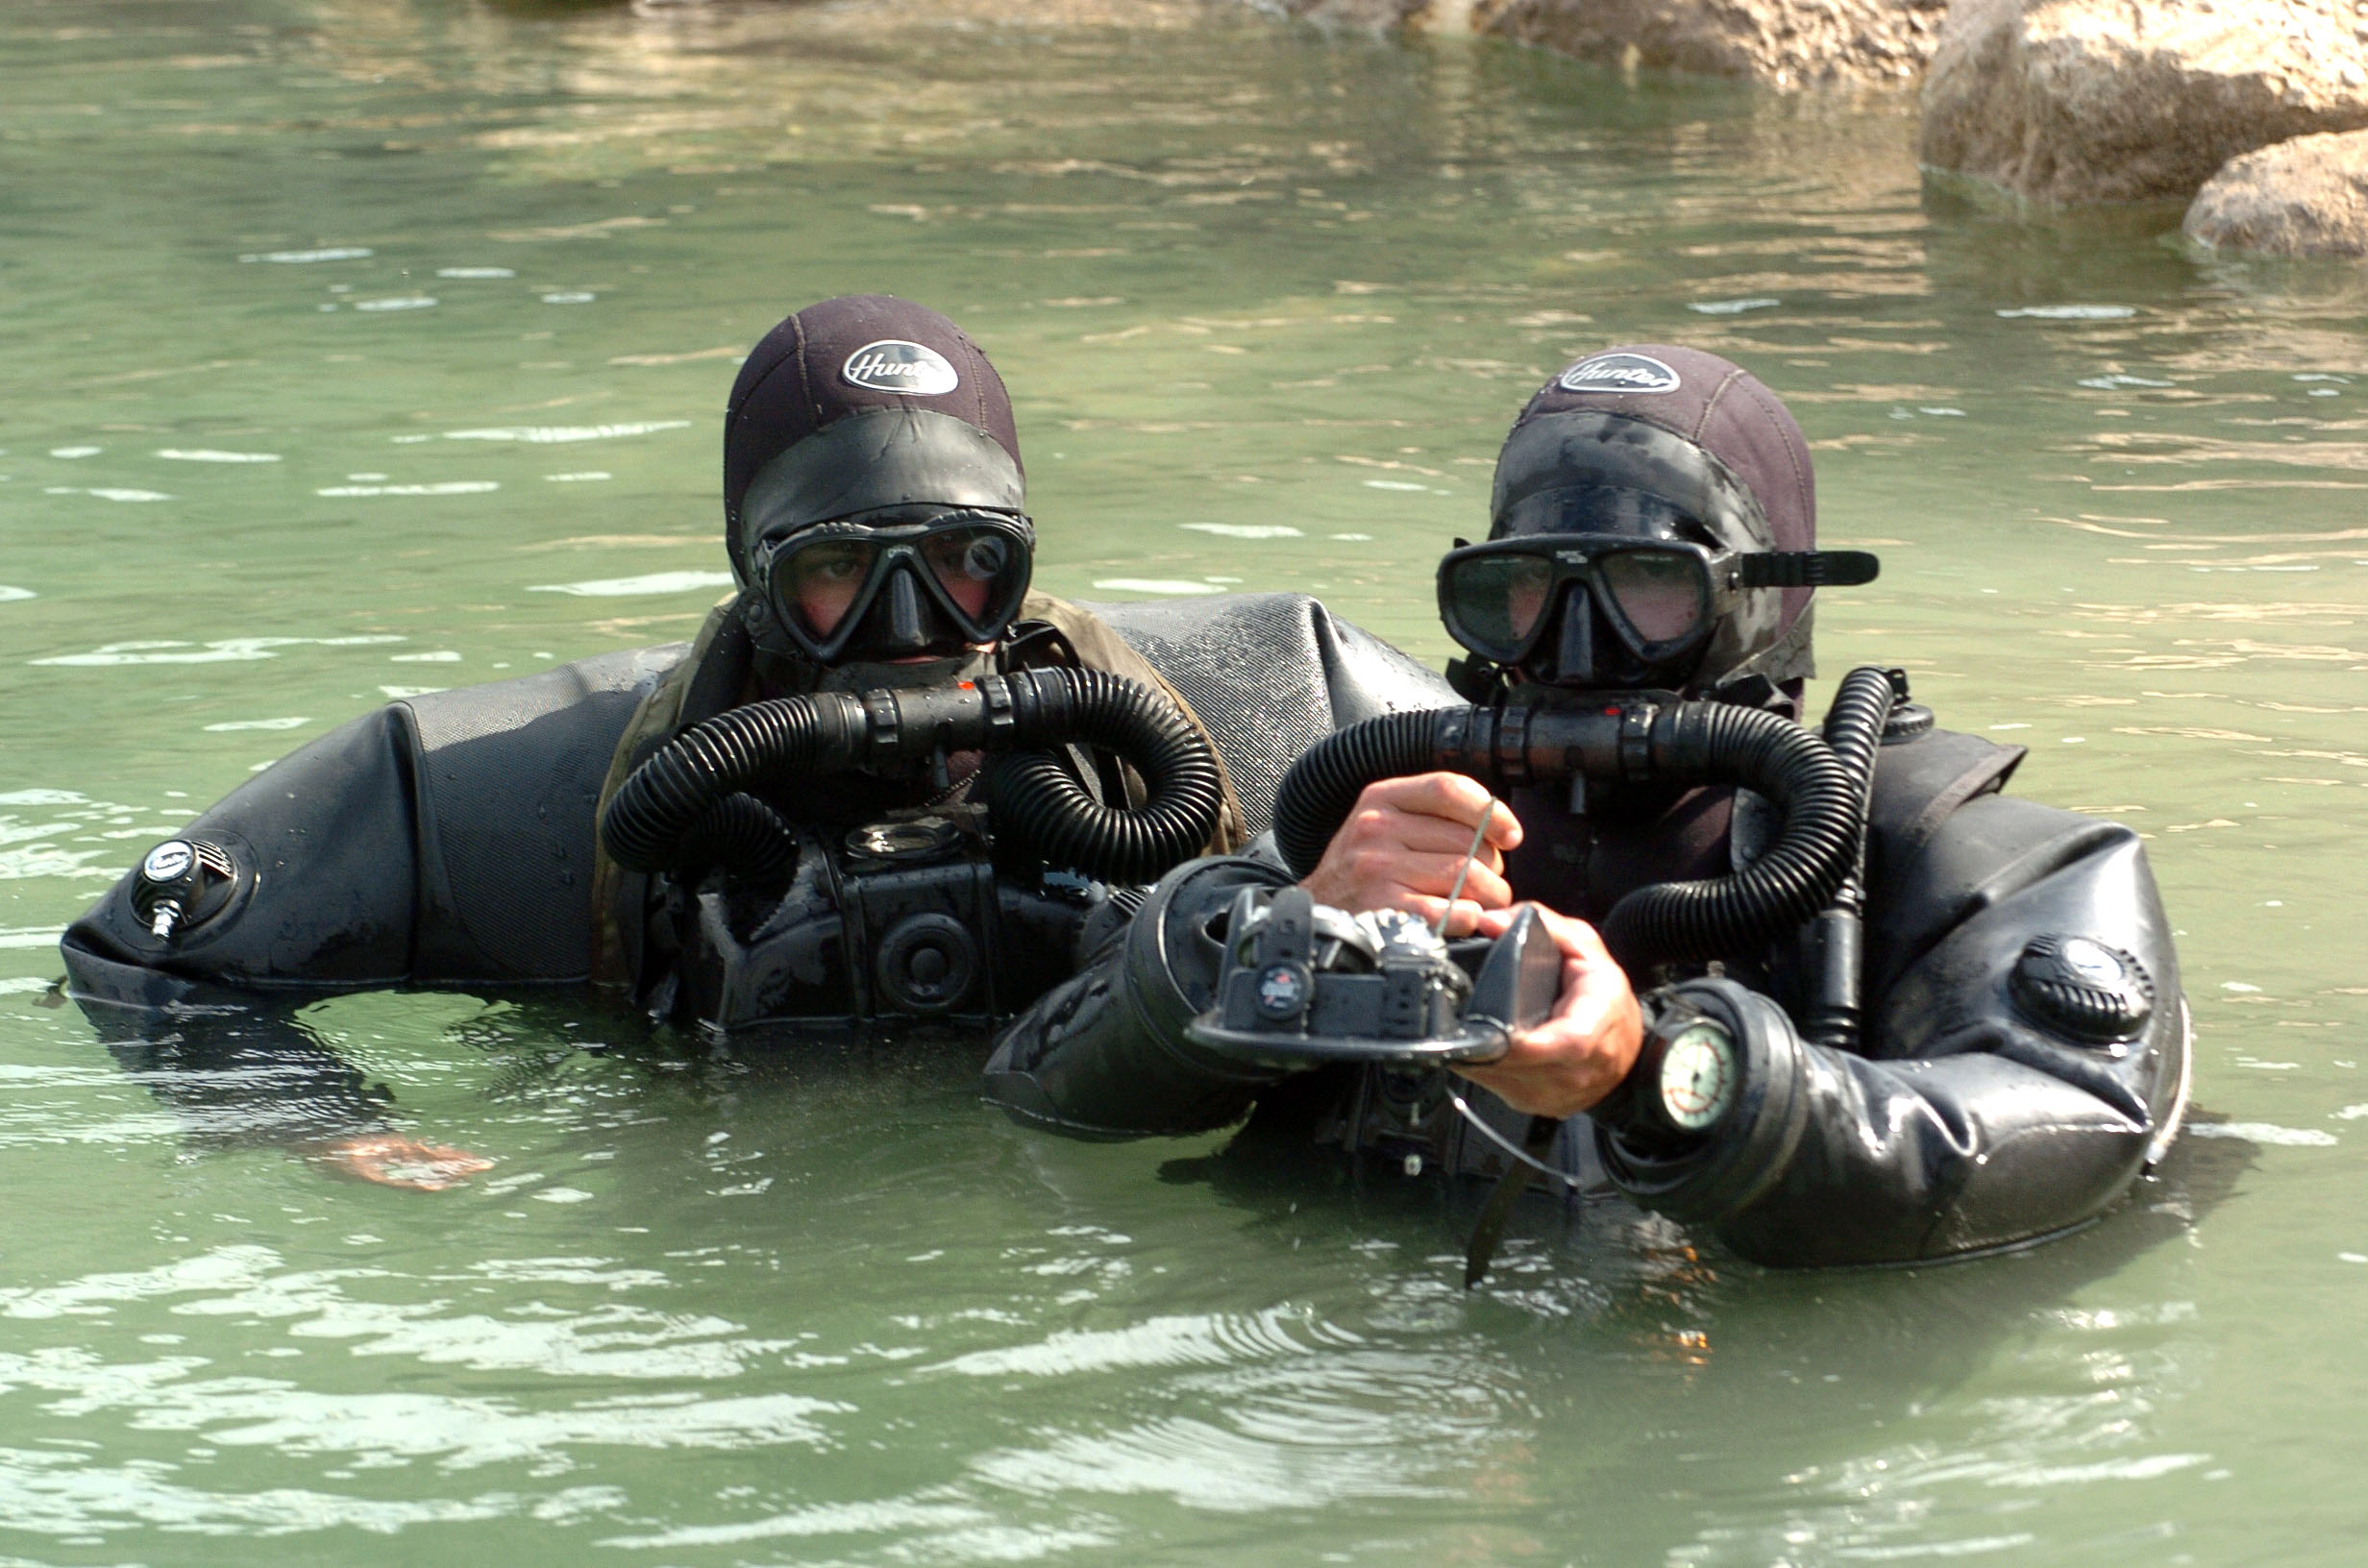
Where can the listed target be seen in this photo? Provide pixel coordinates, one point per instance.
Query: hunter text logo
(1618, 373)
(894, 365)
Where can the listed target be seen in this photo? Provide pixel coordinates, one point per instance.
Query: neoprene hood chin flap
(877, 459)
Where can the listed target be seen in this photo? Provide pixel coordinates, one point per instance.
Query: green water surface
(352, 348)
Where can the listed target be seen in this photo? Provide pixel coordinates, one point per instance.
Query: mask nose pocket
(1575, 654)
(905, 631)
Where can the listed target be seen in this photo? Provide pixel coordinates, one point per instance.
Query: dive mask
(1662, 597)
(853, 589)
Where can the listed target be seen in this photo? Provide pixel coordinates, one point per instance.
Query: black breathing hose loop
(656, 811)
(1321, 788)
(1854, 725)
(660, 818)
(1032, 798)
(746, 837)
(1731, 915)
(1635, 739)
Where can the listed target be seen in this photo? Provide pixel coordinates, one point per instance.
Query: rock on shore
(1782, 43)
(2305, 197)
(1377, 16)
(2066, 101)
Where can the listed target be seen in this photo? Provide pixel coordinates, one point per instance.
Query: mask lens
(1498, 602)
(818, 582)
(972, 564)
(1662, 595)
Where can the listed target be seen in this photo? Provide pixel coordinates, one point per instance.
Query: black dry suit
(2019, 1046)
(451, 840)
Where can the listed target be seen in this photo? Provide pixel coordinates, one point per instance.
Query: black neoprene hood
(862, 401)
(878, 458)
(1698, 431)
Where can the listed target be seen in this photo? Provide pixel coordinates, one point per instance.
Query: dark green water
(353, 348)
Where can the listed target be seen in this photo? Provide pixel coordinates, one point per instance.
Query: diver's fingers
(1436, 874)
(1449, 797)
(394, 1159)
(1385, 827)
(1582, 1050)
(1575, 937)
(1371, 863)
(1468, 918)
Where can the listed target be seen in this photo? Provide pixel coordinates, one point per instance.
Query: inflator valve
(180, 883)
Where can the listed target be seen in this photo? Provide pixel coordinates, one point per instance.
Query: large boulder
(2069, 101)
(1376, 16)
(1783, 43)
(2305, 197)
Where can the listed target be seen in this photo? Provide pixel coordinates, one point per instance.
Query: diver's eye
(985, 560)
(970, 557)
(833, 563)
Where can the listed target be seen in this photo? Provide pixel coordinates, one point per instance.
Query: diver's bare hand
(1585, 1045)
(395, 1160)
(1403, 843)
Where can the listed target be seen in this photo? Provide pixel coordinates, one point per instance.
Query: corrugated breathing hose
(1552, 737)
(675, 807)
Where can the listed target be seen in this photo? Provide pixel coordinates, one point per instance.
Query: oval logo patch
(894, 365)
(1618, 373)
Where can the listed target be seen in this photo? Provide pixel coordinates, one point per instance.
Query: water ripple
(1218, 1340)
(227, 650)
(46, 1493)
(655, 582)
(563, 434)
(1200, 1464)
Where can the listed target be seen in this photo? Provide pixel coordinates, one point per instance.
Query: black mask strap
(1810, 569)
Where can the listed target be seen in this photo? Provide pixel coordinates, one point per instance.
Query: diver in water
(875, 519)
(1639, 622)
(873, 511)
(888, 780)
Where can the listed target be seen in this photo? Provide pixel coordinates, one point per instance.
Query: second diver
(1955, 1028)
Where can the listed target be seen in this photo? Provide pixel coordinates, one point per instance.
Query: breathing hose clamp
(1511, 749)
(882, 728)
(995, 692)
(1635, 740)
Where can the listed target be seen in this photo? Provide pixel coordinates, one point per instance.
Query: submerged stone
(2305, 197)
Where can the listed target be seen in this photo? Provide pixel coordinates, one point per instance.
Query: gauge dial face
(1697, 1075)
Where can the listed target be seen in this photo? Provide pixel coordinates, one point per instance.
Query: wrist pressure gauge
(1697, 1077)
(1689, 1072)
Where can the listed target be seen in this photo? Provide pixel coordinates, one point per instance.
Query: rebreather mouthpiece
(182, 882)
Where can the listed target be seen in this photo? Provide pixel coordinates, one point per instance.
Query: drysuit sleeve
(1988, 1109)
(324, 843)
(1104, 1054)
(446, 839)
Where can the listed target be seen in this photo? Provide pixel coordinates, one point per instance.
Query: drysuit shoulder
(443, 839)
(509, 785)
(1270, 675)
